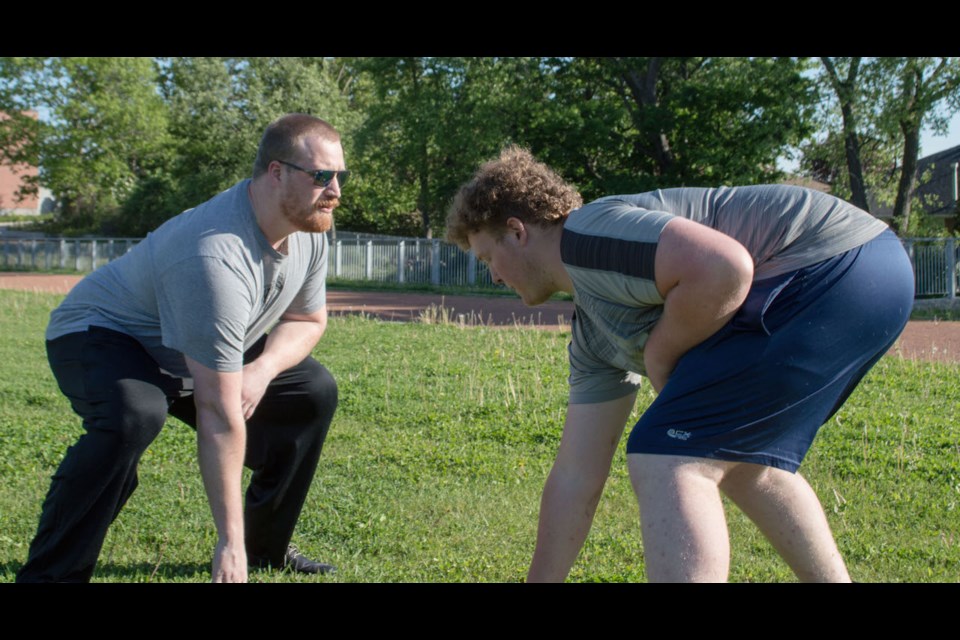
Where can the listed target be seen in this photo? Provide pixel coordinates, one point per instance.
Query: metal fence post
(401, 261)
(63, 253)
(471, 268)
(951, 260)
(435, 263)
(76, 255)
(93, 255)
(369, 259)
(338, 262)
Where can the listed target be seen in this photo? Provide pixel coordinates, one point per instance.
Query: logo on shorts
(677, 434)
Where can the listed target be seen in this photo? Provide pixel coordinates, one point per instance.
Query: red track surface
(931, 341)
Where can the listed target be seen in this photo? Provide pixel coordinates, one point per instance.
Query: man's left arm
(704, 276)
(287, 345)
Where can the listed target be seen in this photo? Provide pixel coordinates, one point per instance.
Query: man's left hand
(256, 379)
(290, 342)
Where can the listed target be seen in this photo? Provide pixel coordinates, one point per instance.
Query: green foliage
(663, 122)
(218, 110)
(126, 143)
(130, 142)
(825, 160)
(106, 129)
(442, 442)
(882, 103)
(30, 218)
(430, 121)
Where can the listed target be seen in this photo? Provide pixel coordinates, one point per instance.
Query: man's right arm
(703, 276)
(221, 445)
(573, 489)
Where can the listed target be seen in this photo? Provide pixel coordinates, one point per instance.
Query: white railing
(934, 265)
(79, 254)
(415, 260)
(406, 261)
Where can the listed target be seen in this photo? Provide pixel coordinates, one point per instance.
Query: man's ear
(518, 230)
(274, 170)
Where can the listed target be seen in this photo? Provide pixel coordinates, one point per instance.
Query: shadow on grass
(136, 572)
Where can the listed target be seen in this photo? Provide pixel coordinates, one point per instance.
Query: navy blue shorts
(759, 389)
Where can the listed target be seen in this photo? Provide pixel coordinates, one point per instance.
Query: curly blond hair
(514, 185)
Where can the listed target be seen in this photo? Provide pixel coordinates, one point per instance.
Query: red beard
(314, 220)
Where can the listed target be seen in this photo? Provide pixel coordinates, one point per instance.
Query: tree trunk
(908, 176)
(851, 144)
(846, 91)
(423, 197)
(644, 91)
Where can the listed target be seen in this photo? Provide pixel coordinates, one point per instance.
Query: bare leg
(681, 515)
(789, 514)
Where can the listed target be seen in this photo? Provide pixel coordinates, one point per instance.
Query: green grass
(436, 458)
(418, 287)
(936, 309)
(450, 290)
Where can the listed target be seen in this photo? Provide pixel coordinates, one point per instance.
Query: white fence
(409, 260)
(79, 254)
(415, 260)
(934, 265)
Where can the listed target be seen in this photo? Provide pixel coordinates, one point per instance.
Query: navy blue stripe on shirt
(629, 257)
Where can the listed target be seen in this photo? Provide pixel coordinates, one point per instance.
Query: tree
(826, 160)
(219, 108)
(430, 121)
(701, 121)
(104, 130)
(883, 103)
(926, 90)
(848, 93)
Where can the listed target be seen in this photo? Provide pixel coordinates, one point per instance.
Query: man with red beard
(178, 326)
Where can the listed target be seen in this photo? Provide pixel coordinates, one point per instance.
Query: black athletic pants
(124, 398)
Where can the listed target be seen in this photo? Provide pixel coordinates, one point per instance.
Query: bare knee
(751, 477)
(682, 520)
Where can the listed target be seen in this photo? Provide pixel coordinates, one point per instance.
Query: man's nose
(333, 187)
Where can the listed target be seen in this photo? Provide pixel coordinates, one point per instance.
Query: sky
(930, 144)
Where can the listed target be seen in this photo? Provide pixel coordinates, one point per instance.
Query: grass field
(434, 464)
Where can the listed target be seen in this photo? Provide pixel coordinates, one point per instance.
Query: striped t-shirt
(609, 247)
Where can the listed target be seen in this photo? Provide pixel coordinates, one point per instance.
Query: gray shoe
(299, 563)
(296, 562)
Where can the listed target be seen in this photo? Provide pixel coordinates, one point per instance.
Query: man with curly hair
(753, 311)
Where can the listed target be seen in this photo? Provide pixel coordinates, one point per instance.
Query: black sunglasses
(322, 177)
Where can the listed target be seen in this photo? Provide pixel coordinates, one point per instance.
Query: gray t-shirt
(206, 284)
(609, 247)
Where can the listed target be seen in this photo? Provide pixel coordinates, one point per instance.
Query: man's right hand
(573, 489)
(229, 562)
(221, 443)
